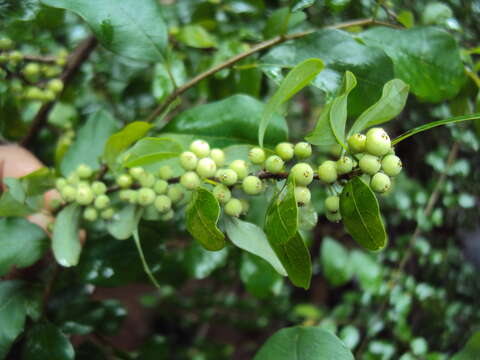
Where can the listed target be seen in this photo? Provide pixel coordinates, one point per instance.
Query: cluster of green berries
(31, 80)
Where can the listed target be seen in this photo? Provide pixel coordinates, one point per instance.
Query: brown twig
(75, 61)
(40, 59)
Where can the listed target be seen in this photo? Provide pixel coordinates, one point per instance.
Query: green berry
(99, 188)
(303, 174)
(378, 142)
(200, 148)
(233, 207)
(256, 155)
(218, 156)
(60, 183)
(124, 195)
(175, 192)
(369, 164)
(227, 176)
(391, 165)
(222, 193)
(107, 214)
(190, 180)
(206, 167)
(160, 187)
(101, 202)
(84, 171)
(327, 171)
(147, 180)
(132, 196)
(15, 57)
(333, 217)
(31, 71)
(55, 85)
(344, 165)
(146, 196)
(90, 213)
(380, 183)
(167, 216)
(332, 204)
(274, 164)
(252, 185)
(47, 95)
(285, 150)
(124, 181)
(188, 160)
(163, 203)
(302, 150)
(356, 143)
(302, 195)
(73, 179)
(136, 172)
(240, 167)
(84, 195)
(69, 193)
(165, 172)
(6, 44)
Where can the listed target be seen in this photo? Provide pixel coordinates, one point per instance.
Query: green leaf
(251, 238)
(125, 222)
(280, 21)
(202, 214)
(340, 52)
(151, 150)
(46, 342)
(281, 227)
(200, 263)
(299, 77)
(298, 5)
(303, 343)
(426, 58)
(234, 120)
(21, 244)
(65, 238)
(392, 102)
(361, 215)
(471, 350)
(260, 279)
(322, 134)
(90, 142)
(120, 141)
(38, 181)
(132, 29)
(162, 84)
(10, 205)
(336, 264)
(196, 36)
(338, 110)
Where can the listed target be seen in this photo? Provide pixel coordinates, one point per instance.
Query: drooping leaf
(150, 150)
(471, 350)
(299, 77)
(361, 215)
(65, 238)
(46, 342)
(129, 28)
(336, 264)
(234, 120)
(202, 214)
(303, 343)
(125, 222)
(426, 58)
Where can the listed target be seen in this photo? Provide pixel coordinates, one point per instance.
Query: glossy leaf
(202, 214)
(46, 342)
(151, 150)
(304, 343)
(426, 58)
(125, 222)
(361, 215)
(140, 34)
(299, 77)
(65, 238)
(336, 264)
(234, 120)
(471, 350)
(89, 143)
(21, 243)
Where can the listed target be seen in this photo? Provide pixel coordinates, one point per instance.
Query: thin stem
(41, 59)
(136, 237)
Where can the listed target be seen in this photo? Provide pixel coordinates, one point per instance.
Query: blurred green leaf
(297, 5)
(196, 36)
(259, 277)
(367, 270)
(200, 263)
(65, 238)
(471, 350)
(162, 84)
(124, 222)
(46, 342)
(336, 264)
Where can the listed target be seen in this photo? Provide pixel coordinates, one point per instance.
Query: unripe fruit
(47, 95)
(200, 148)
(206, 167)
(369, 164)
(274, 164)
(391, 165)
(356, 143)
(84, 171)
(15, 57)
(344, 165)
(378, 142)
(102, 202)
(73, 179)
(69, 193)
(256, 155)
(60, 183)
(188, 160)
(302, 195)
(332, 204)
(165, 172)
(84, 195)
(222, 193)
(240, 167)
(160, 187)
(124, 181)
(90, 214)
(233, 207)
(218, 156)
(333, 217)
(163, 203)
(167, 216)
(124, 195)
(303, 174)
(252, 185)
(302, 150)
(136, 172)
(31, 70)
(285, 150)
(99, 188)
(147, 180)
(327, 171)
(227, 176)
(245, 205)
(107, 214)
(190, 180)
(146, 196)
(55, 85)
(6, 44)
(380, 183)
(175, 192)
